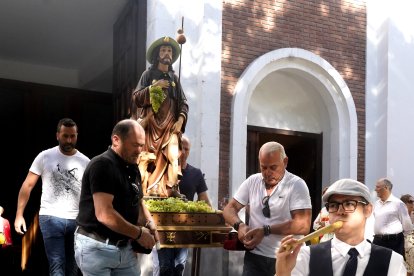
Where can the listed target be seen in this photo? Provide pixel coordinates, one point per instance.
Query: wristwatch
(237, 224)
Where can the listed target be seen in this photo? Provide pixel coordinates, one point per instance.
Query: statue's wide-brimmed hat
(164, 41)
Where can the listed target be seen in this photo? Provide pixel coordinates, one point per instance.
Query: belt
(97, 237)
(388, 236)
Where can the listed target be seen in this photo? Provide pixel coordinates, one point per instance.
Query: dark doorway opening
(304, 151)
(29, 113)
(130, 36)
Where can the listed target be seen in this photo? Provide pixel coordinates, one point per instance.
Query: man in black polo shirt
(110, 205)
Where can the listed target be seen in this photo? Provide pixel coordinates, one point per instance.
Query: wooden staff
(181, 40)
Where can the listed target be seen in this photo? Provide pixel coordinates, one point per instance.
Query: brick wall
(334, 30)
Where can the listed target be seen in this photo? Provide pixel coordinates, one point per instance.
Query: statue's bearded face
(166, 54)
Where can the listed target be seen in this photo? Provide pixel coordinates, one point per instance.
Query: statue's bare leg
(144, 159)
(172, 154)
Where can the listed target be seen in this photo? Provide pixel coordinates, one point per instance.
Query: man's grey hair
(387, 183)
(271, 147)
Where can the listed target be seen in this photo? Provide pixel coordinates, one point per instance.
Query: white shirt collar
(363, 248)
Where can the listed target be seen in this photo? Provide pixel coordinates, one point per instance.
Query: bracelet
(140, 233)
(266, 230)
(237, 224)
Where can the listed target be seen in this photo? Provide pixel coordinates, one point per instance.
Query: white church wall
(390, 94)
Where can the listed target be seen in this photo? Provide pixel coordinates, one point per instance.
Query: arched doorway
(295, 90)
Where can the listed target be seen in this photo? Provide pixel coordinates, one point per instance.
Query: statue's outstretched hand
(178, 125)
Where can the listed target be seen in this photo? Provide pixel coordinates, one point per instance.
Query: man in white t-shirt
(61, 169)
(279, 203)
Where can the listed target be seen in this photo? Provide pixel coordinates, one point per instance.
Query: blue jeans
(172, 261)
(58, 240)
(101, 259)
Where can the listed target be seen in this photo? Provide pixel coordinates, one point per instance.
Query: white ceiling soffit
(56, 33)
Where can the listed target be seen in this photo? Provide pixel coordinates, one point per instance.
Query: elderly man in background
(392, 221)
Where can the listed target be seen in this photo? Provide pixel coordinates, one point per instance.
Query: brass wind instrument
(325, 230)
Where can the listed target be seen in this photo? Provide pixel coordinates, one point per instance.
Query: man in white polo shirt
(279, 203)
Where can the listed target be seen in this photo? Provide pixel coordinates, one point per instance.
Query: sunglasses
(135, 199)
(266, 208)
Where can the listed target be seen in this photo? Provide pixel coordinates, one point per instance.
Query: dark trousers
(258, 265)
(393, 241)
(172, 261)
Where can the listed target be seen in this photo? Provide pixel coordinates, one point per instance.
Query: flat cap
(347, 187)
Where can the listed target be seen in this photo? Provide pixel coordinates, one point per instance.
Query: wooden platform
(191, 230)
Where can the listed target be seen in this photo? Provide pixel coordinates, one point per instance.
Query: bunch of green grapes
(176, 205)
(157, 96)
(199, 207)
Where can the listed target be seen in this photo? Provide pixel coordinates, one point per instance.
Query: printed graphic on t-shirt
(65, 183)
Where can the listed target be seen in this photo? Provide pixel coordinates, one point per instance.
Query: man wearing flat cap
(162, 111)
(348, 253)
